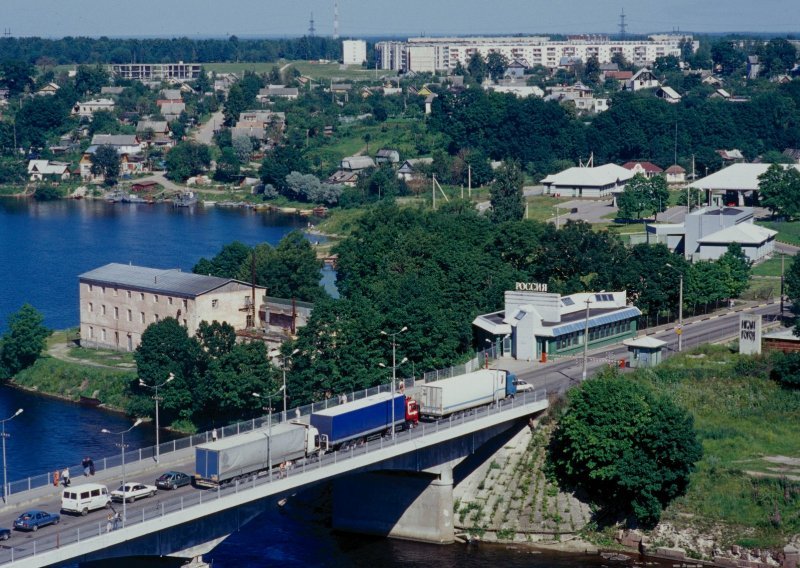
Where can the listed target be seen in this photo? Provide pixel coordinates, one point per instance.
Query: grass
(770, 267)
(340, 222)
(72, 380)
(788, 231)
(121, 359)
(741, 416)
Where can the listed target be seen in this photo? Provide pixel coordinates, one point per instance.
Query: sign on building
(749, 334)
(531, 287)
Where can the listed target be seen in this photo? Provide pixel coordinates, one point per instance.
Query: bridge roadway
(85, 538)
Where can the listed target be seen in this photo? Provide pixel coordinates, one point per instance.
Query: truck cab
(511, 383)
(412, 411)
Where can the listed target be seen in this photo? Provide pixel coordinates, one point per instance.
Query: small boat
(185, 199)
(132, 198)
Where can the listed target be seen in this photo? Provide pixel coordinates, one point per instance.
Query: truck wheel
(84, 512)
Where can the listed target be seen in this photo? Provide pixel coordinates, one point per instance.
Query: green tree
(658, 194)
(217, 339)
(792, 284)
(735, 266)
(786, 368)
(779, 190)
(705, 284)
(202, 85)
(16, 76)
(227, 263)
(279, 163)
(694, 196)
(24, 341)
(591, 72)
(90, 79)
(106, 163)
(630, 450)
(477, 67)
(726, 56)
(496, 65)
(508, 202)
(187, 159)
(228, 166)
(235, 104)
(634, 200)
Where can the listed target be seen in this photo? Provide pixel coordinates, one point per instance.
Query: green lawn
(788, 231)
(741, 417)
(771, 267)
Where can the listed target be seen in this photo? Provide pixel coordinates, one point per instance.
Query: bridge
(404, 487)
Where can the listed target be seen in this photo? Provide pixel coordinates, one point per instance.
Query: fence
(302, 466)
(149, 453)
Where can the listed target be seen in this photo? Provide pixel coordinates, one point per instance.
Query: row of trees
(76, 50)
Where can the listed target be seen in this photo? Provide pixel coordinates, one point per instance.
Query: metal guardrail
(198, 498)
(149, 453)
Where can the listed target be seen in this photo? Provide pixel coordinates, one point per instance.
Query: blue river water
(43, 249)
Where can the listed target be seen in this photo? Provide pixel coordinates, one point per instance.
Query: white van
(84, 498)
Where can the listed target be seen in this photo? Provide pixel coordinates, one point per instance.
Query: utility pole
(469, 181)
(586, 340)
(433, 191)
(680, 314)
(783, 255)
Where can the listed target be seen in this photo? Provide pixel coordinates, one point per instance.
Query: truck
(240, 456)
(361, 418)
(444, 397)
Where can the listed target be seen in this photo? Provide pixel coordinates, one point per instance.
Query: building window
(116, 313)
(185, 304)
(155, 318)
(184, 323)
(141, 296)
(116, 292)
(103, 334)
(130, 315)
(91, 287)
(91, 307)
(155, 298)
(142, 316)
(129, 294)
(214, 303)
(104, 309)
(169, 300)
(91, 332)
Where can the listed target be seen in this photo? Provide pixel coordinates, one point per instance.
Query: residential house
(600, 181)
(48, 90)
(172, 95)
(580, 95)
(171, 110)
(753, 67)
(712, 81)
(119, 301)
(516, 69)
(122, 143)
(277, 92)
(675, 174)
(127, 146)
(356, 163)
(647, 169)
(734, 182)
(520, 90)
(111, 90)
(223, 81)
(39, 170)
(720, 94)
(643, 79)
(409, 170)
(731, 156)
(429, 102)
(387, 156)
(88, 108)
(668, 94)
(343, 177)
(622, 77)
(793, 153)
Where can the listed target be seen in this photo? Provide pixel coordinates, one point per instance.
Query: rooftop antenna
(623, 27)
(335, 19)
(311, 29)
(7, 32)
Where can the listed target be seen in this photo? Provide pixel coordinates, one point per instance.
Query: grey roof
(111, 90)
(158, 126)
(165, 281)
(171, 94)
(115, 140)
(595, 321)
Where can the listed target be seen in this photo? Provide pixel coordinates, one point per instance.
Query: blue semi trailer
(361, 418)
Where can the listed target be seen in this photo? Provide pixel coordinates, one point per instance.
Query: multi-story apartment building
(354, 51)
(443, 54)
(156, 71)
(119, 301)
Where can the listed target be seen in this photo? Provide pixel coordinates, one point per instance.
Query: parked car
(173, 480)
(32, 520)
(522, 386)
(5, 534)
(133, 491)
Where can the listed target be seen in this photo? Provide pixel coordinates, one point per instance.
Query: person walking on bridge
(65, 476)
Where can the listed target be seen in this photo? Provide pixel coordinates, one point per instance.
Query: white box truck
(446, 396)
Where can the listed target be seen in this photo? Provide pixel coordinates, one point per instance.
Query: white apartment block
(354, 51)
(156, 71)
(119, 301)
(443, 54)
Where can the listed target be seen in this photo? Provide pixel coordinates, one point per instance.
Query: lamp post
(394, 367)
(121, 434)
(586, 340)
(679, 331)
(155, 388)
(283, 366)
(3, 435)
(269, 424)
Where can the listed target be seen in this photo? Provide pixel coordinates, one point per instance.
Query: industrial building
(601, 181)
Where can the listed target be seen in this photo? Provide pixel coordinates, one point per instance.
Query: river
(43, 249)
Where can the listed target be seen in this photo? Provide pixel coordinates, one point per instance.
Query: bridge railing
(166, 448)
(156, 512)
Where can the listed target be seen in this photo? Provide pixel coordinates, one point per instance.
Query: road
(205, 133)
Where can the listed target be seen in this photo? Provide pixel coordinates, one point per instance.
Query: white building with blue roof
(119, 301)
(536, 324)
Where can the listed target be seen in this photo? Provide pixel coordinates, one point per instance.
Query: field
(318, 71)
(747, 486)
(788, 231)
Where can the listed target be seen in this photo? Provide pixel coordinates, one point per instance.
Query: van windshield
(68, 495)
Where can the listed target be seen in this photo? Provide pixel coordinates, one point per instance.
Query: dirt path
(205, 133)
(61, 351)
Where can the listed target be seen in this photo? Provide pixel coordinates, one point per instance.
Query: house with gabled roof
(119, 301)
(647, 169)
(39, 170)
(644, 78)
(668, 94)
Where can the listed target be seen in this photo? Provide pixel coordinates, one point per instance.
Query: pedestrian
(297, 413)
(117, 520)
(109, 522)
(282, 473)
(65, 476)
(214, 434)
(55, 478)
(91, 466)
(85, 465)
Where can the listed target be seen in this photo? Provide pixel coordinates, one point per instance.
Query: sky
(370, 18)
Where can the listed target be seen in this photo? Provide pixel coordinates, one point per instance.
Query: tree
(228, 166)
(90, 79)
(634, 200)
(187, 159)
(666, 64)
(217, 339)
(202, 85)
(16, 76)
(477, 67)
(227, 263)
(591, 72)
(496, 65)
(696, 197)
(106, 163)
(24, 341)
(786, 368)
(779, 56)
(726, 57)
(235, 104)
(243, 147)
(735, 266)
(508, 203)
(792, 283)
(629, 449)
(279, 163)
(779, 190)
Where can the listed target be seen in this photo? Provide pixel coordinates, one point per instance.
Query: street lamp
(283, 366)
(394, 366)
(586, 340)
(3, 435)
(269, 424)
(156, 387)
(680, 307)
(122, 449)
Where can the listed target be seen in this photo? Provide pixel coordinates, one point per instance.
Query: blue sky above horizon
(369, 18)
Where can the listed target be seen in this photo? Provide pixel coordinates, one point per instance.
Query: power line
(311, 29)
(623, 27)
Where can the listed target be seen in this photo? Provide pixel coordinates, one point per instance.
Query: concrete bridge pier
(400, 504)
